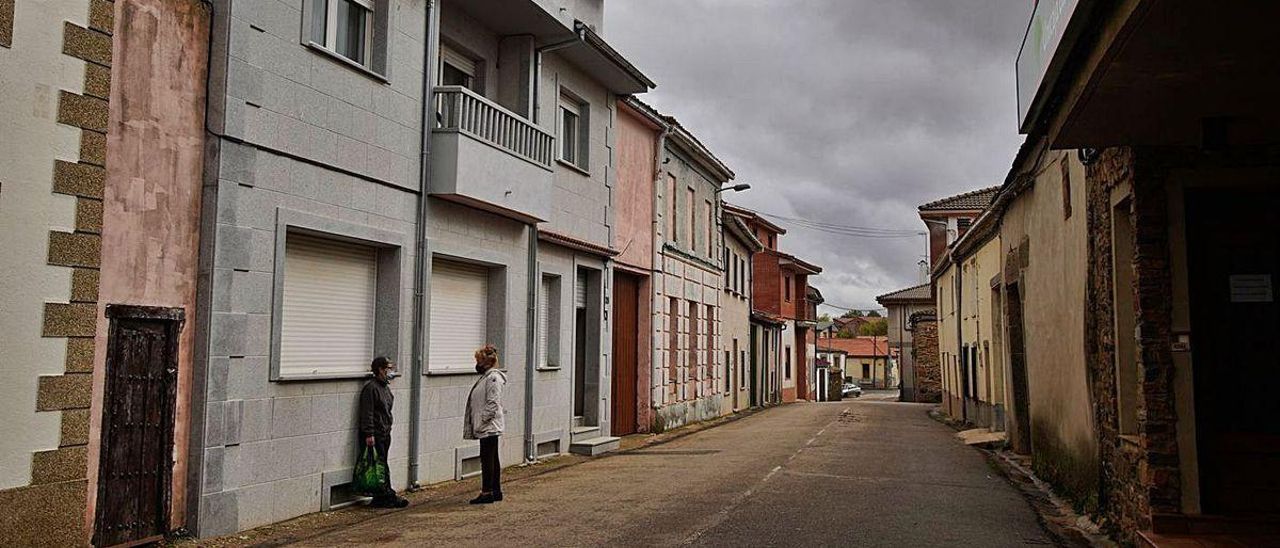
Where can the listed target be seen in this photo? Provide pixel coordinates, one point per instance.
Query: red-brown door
(626, 336)
(136, 467)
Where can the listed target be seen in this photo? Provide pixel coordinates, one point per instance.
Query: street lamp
(736, 188)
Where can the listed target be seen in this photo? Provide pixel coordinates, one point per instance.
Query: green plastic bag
(370, 476)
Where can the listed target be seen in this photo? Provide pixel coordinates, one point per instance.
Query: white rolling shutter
(459, 315)
(580, 291)
(544, 323)
(327, 317)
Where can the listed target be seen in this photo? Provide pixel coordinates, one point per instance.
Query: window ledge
(1130, 439)
(346, 62)
(573, 166)
(451, 373)
(549, 368)
(295, 377)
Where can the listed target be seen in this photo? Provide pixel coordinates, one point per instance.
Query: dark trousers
(383, 445)
(490, 468)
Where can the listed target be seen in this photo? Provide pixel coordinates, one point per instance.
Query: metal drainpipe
(531, 342)
(420, 246)
(964, 381)
(658, 155)
(579, 36)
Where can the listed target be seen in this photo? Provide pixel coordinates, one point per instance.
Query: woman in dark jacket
(483, 421)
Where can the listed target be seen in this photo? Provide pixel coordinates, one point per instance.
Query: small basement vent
(548, 448)
(342, 495)
(470, 467)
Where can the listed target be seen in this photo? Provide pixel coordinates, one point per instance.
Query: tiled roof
(923, 292)
(974, 199)
(857, 346)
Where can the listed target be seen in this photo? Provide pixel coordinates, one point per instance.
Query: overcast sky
(850, 112)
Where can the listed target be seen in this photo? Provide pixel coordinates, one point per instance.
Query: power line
(844, 230)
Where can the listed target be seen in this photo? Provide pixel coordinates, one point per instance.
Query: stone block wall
(924, 352)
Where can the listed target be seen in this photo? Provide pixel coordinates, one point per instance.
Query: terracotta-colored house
(780, 294)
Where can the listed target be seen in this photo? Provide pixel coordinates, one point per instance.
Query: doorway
(135, 470)
(588, 323)
(626, 336)
(1018, 370)
(1234, 264)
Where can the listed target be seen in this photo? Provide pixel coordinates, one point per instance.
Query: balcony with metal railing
(488, 157)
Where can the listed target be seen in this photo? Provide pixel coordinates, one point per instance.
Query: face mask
(480, 368)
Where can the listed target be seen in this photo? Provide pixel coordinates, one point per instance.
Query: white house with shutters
(348, 222)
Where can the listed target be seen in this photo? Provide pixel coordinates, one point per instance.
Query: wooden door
(1234, 258)
(626, 337)
(136, 466)
(1021, 441)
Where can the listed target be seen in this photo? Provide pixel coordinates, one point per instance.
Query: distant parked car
(851, 389)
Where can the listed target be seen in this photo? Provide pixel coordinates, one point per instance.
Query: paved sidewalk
(867, 473)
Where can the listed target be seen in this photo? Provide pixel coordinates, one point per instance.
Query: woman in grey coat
(483, 421)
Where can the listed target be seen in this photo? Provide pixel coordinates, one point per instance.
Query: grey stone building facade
(346, 221)
(688, 377)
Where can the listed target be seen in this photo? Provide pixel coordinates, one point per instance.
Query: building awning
(576, 244)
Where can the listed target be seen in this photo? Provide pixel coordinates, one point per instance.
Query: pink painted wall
(151, 203)
(633, 196)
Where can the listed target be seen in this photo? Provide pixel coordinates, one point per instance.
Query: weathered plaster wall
(151, 201)
(1052, 283)
(735, 326)
(634, 211)
(693, 397)
(924, 328)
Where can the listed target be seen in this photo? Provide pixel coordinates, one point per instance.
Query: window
(672, 211)
(787, 357)
(689, 232)
(694, 356)
(710, 332)
(573, 131)
(548, 323)
(673, 342)
(728, 370)
(772, 241)
(457, 69)
(742, 366)
(963, 224)
(706, 224)
(866, 370)
(1066, 188)
(328, 307)
(459, 315)
(344, 27)
(786, 287)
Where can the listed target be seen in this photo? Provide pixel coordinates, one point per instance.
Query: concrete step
(580, 433)
(595, 446)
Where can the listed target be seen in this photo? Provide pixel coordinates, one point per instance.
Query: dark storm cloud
(842, 111)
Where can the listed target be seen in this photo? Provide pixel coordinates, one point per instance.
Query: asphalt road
(866, 472)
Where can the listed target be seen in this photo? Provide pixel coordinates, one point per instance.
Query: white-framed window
(707, 224)
(327, 315)
(574, 132)
(549, 323)
(344, 27)
(459, 315)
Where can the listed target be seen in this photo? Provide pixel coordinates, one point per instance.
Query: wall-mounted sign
(1251, 288)
(1039, 58)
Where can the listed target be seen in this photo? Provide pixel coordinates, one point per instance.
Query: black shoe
(484, 498)
(399, 502)
(497, 496)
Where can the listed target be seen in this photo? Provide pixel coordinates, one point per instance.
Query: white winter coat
(484, 416)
